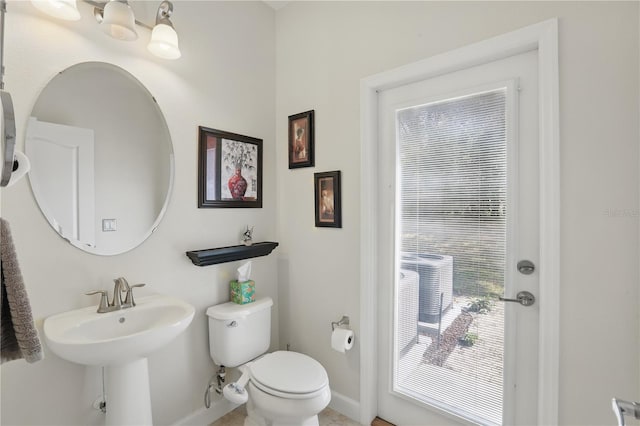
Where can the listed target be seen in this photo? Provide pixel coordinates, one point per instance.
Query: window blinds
(452, 201)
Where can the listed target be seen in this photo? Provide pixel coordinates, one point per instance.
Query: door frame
(542, 37)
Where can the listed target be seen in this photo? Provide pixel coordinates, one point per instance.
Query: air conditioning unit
(407, 313)
(436, 282)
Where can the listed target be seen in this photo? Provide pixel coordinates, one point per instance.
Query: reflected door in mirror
(65, 156)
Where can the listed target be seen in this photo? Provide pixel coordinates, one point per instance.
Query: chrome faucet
(121, 285)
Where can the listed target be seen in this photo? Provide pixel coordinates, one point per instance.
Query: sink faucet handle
(104, 302)
(129, 299)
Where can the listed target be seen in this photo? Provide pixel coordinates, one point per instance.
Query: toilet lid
(289, 372)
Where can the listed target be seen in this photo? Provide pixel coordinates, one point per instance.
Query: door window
(450, 254)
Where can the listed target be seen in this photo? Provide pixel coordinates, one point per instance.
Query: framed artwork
(328, 199)
(301, 135)
(229, 169)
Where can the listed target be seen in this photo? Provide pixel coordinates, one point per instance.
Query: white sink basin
(86, 337)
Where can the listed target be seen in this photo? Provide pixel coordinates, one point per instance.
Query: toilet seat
(289, 375)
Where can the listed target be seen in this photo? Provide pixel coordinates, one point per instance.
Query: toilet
(280, 388)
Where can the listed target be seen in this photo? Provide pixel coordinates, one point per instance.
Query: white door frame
(542, 37)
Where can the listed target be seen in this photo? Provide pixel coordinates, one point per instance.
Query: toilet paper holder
(343, 321)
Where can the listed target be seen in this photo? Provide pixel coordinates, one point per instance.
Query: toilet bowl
(286, 388)
(279, 388)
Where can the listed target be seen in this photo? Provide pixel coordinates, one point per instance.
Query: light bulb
(118, 21)
(164, 42)
(61, 9)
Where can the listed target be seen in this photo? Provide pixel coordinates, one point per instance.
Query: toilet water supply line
(219, 379)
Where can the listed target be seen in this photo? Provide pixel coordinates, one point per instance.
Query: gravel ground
(438, 351)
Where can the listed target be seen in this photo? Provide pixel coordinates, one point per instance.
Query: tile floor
(327, 417)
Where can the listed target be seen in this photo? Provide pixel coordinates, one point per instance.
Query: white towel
(19, 336)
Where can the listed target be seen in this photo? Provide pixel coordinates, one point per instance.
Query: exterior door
(458, 211)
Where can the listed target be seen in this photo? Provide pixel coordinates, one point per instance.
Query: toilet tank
(239, 333)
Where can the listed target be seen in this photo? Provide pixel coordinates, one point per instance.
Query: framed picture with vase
(229, 169)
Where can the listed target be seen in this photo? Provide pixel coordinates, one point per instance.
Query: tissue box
(244, 292)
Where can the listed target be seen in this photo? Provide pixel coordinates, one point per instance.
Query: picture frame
(301, 139)
(229, 169)
(328, 199)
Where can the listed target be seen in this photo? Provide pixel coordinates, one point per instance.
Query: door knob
(524, 298)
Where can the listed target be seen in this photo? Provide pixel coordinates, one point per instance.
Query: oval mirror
(101, 158)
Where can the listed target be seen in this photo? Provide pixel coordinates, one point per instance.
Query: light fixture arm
(164, 13)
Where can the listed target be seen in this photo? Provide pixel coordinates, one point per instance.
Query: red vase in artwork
(237, 185)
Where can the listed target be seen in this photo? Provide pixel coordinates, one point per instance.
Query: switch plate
(108, 225)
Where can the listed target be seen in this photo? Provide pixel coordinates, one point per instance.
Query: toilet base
(254, 419)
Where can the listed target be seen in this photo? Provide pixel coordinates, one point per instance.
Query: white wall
(325, 48)
(226, 80)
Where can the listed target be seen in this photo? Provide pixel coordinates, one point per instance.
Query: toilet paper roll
(342, 339)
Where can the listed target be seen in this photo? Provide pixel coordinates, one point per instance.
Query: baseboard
(345, 406)
(206, 416)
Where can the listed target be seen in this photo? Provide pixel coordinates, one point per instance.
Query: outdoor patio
(447, 367)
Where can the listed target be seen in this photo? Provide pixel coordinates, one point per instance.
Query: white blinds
(453, 185)
(452, 194)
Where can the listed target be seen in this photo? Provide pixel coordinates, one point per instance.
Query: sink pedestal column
(128, 395)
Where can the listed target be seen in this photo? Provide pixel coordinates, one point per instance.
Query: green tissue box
(244, 292)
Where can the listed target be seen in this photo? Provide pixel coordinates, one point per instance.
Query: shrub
(468, 339)
(481, 305)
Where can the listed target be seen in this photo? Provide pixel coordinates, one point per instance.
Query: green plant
(468, 340)
(481, 305)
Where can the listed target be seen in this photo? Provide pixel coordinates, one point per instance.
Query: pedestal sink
(121, 341)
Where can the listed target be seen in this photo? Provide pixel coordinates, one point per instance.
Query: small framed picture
(229, 169)
(328, 202)
(301, 135)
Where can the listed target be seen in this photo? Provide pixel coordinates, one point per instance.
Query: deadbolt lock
(526, 267)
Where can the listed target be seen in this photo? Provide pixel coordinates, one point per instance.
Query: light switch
(108, 225)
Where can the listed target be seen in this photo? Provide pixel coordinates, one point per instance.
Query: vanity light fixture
(116, 18)
(164, 39)
(118, 21)
(61, 9)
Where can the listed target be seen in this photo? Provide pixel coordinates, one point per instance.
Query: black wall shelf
(229, 254)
